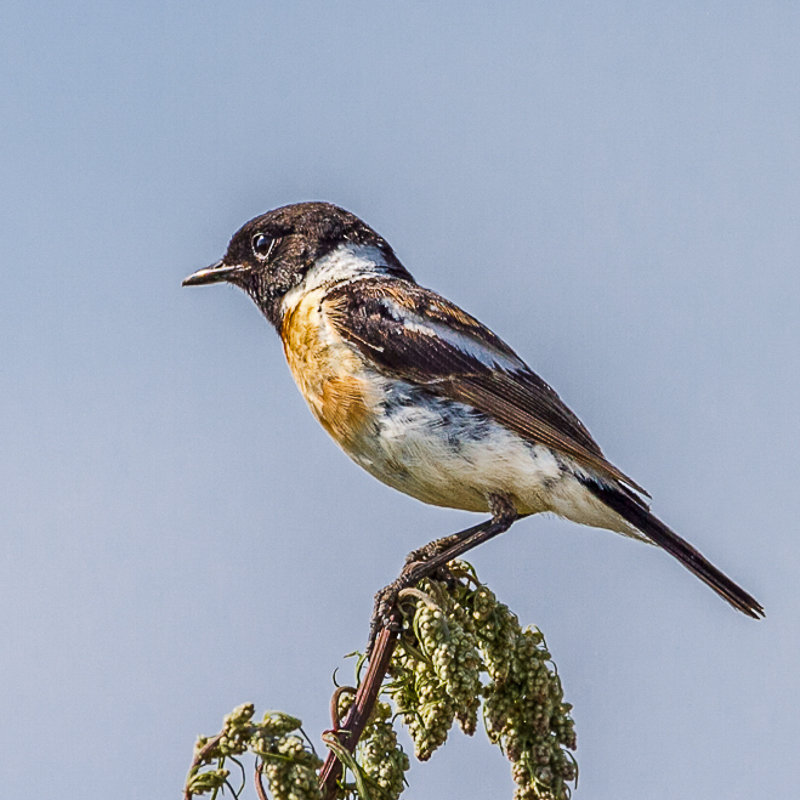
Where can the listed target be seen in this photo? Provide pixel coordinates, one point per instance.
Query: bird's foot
(432, 560)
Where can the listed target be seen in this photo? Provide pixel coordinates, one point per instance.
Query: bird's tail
(633, 511)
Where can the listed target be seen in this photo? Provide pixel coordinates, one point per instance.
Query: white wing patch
(463, 342)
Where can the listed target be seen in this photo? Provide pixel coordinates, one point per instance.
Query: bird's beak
(216, 273)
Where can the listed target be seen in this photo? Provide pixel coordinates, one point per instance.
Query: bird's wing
(416, 335)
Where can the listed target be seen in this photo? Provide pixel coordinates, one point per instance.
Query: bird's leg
(434, 556)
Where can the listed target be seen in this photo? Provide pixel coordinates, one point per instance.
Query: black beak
(216, 273)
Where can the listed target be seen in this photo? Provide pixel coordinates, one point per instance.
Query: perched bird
(425, 397)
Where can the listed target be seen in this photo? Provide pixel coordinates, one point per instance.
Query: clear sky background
(613, 187)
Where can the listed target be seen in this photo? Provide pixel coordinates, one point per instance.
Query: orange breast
(327, 371)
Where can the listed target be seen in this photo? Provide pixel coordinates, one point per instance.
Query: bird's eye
(262, 246)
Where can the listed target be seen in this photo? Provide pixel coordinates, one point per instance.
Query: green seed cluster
(435, 670)
(524, 708)
(289, 766)
(380, 756)
(458, 645)
(379, 759)
(457, 632)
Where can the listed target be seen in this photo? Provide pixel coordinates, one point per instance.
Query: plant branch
(363, 704)
(200, 758)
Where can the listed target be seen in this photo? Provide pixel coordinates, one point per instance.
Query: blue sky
(614, 188)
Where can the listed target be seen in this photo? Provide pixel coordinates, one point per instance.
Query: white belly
(447, 454)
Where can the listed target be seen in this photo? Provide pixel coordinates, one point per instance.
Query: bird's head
(291, 247)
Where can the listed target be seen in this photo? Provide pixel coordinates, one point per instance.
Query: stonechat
(423, 396)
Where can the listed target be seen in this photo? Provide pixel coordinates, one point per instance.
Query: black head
(270, 254)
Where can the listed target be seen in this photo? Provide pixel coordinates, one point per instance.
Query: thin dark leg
(427, 560)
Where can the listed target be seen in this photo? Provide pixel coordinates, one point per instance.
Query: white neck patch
(347, 263)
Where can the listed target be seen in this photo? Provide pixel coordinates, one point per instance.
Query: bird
(425, 397)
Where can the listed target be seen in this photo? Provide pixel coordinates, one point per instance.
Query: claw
(432, 560)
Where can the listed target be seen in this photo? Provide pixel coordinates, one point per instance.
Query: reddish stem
(359, 713)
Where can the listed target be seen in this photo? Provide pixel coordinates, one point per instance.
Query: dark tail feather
(655, 530)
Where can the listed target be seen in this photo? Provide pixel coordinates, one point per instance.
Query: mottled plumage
(415, 335)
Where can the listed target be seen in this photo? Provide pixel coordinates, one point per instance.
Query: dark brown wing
(415, 334)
